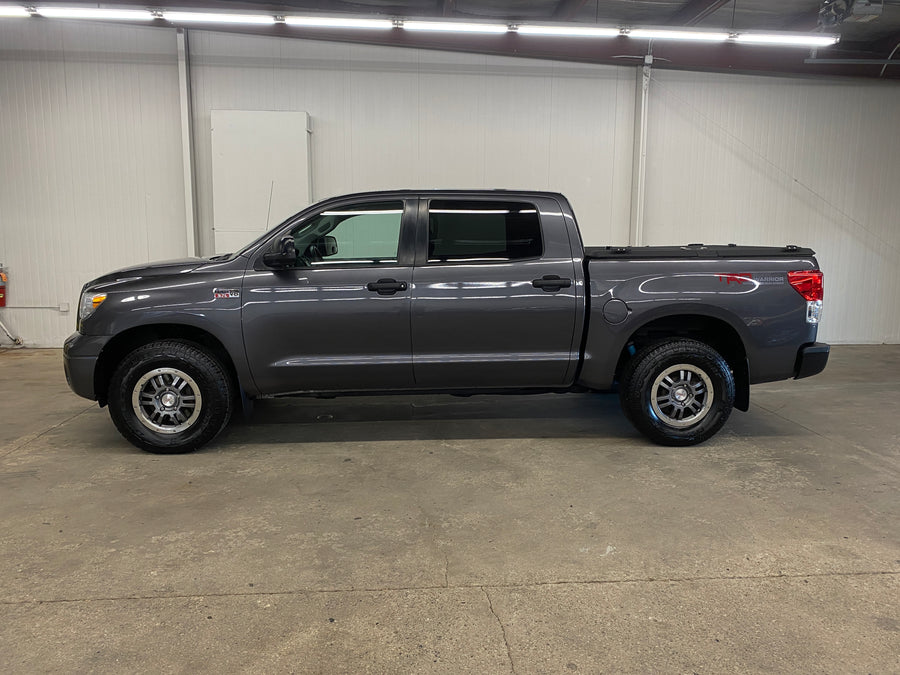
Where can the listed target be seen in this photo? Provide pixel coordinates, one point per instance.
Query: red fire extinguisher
(3, 281)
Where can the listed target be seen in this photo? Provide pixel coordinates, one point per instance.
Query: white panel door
(260, 172)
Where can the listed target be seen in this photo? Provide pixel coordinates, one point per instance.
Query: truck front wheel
(678, 392)
(170, 396)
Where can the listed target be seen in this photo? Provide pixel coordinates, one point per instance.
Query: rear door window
(482, 231)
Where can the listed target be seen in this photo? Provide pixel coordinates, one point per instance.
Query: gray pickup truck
(459, 292)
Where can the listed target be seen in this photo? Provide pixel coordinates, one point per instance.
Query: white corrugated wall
(91, 175)
(90, 162)
(776, 160)
(387, 117)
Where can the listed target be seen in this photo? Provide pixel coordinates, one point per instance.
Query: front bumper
(80, 356)
(811, 360)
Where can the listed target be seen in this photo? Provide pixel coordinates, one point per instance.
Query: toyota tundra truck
(457, 292)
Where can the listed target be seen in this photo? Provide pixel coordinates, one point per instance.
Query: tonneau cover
(696, 251)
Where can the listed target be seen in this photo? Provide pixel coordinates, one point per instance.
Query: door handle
(551, 283)
(386, 286)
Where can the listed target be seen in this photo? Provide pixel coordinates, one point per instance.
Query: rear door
(339, 319)
(494, 293)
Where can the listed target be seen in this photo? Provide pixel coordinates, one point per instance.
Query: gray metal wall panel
(766, 160)
(90, 162)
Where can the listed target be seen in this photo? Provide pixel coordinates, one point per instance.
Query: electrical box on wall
(835, 12)
(864, 11)
(260, 172)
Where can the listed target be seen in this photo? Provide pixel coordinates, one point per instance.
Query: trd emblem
(222, 293)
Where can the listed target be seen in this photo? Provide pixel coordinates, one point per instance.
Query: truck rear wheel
(170, 396)
(678, 392)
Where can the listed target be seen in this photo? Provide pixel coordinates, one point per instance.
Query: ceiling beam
(333, 7)
(622, 51)
(673, 54)
(567, 10)
(694, 11)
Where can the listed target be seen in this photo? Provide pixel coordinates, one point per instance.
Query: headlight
(89, 302)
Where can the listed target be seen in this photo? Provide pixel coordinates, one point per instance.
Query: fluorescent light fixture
(787, 40)
(95, 13)
(336, 22)
(212, 17)
(456, 27)
(13, 10)
(663, 34)
(566, 31)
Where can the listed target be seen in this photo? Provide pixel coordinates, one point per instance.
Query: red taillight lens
(808, 284)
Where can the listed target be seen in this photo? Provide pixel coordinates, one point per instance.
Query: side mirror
(286, 256)
(329, 246)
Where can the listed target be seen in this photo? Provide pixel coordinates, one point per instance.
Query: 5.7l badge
(221, 293)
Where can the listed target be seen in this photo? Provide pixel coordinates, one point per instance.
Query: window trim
(425, 210)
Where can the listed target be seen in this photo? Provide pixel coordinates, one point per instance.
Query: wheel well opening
(714, 332)
(126, 341)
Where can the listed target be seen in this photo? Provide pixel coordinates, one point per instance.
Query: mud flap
(742, 385)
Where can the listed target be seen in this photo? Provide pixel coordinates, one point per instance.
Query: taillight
(808, 284)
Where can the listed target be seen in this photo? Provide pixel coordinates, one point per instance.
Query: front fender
(207, 301)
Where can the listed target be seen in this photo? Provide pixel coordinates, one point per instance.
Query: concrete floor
(488, 535)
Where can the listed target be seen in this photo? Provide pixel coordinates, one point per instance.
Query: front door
(339, 319)
(495, 295)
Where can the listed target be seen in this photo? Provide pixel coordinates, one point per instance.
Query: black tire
(176, 362)
(654, 370)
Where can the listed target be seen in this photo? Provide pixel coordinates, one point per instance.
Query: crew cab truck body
(444, 291)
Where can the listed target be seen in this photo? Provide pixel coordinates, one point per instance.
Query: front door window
(361, 234)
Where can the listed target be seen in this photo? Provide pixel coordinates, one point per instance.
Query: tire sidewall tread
(211, 377)
(643, 368)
